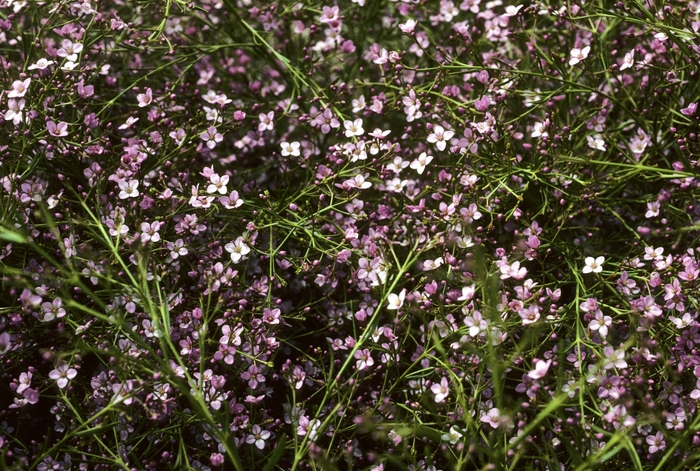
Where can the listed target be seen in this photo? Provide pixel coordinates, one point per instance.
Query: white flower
(129, 121)
(594, 265)
(432, 264)
(512, 10)
(217, 183)
(353, 128)
(62, 374)
(128, 189)
(577, 55)
(41, 64)
(420, 163)
(14, 112)
(237, 249)
(629, 60)
(453, 436)
(395, 301)
(539, 130)
(596, 142)
(290, 149)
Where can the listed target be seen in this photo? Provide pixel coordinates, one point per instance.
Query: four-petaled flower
(237, 249)
(395, 301)
(353, 128)
(290, 149)
(594, 265)
(577, 55)
(257, 437)
(57, 130)
(19, 88)
(440, 137)
(128, 189)
(441, 390)
(62, 374)
(211, 136)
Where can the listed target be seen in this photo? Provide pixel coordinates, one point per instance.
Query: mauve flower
(57, 130)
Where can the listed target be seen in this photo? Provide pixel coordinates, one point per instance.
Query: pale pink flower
(593, 265)
(353, 128)
(441, 390)
(69, 50)
(364, 359)
(395, 301)
(19, 88)
(62, 374)
(145, 99)
(57, 130)
(128, 189)
(266, 121)
(541, 368)
(440, 137)
(211, 136)
(577, 55)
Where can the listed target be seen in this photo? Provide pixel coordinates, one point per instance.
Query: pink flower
(211, 136)
(19, 88)
(439, 137)
(266, 121)
(62, 374)
(541, 368)
(69, 50)
(57, 130)
(364, 360)
(145, 99)
(441, 390)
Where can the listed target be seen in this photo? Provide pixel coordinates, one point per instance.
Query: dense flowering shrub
(391, 234)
